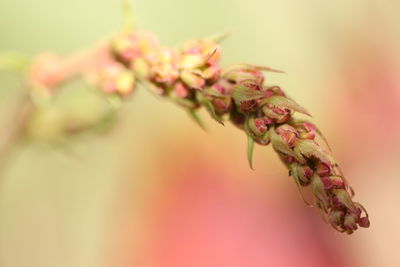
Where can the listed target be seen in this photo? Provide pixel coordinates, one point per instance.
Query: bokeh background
(160, 192)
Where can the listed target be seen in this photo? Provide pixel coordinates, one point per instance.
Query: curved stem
(15, 125)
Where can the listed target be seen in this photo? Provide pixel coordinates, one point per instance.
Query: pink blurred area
(204, 215)
(202, 211)
(369, 97)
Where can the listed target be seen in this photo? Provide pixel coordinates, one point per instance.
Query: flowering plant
(193, 78)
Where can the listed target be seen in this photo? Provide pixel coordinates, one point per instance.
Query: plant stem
(15, 125)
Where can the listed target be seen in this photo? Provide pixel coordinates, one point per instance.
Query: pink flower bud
(112, 78)
(241, 74)
(257, 126)
(193, 79)
(222, 105)
(164, 74)
(223, 87)
(342, 199)
(350, 224)
(288, 134)
(319, 192)
(181, 90)
(212, 73)
(323, 168)
(364, 222)
(310, 130)
(279, 115)
(209, 51)
(191, 61)
(337, 182)
(141, 68)
(336, 218)
(275, 91)
(130, 46)
(125, 83)
(249, 106)
(328, 184)
(301, 173)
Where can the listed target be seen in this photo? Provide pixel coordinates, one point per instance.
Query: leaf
(284, 102)
(239, 75)
(193, 114)
(209, 106)
(264, 68)
(242, 92)
(186, 103)
(231, 68)
(218, 38)
(250, 150)
(209, 91)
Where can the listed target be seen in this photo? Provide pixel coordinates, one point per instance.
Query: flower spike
(193, 78)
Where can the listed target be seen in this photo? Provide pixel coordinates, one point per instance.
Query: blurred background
(159, 192)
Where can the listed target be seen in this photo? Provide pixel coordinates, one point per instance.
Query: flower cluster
(193, 78)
